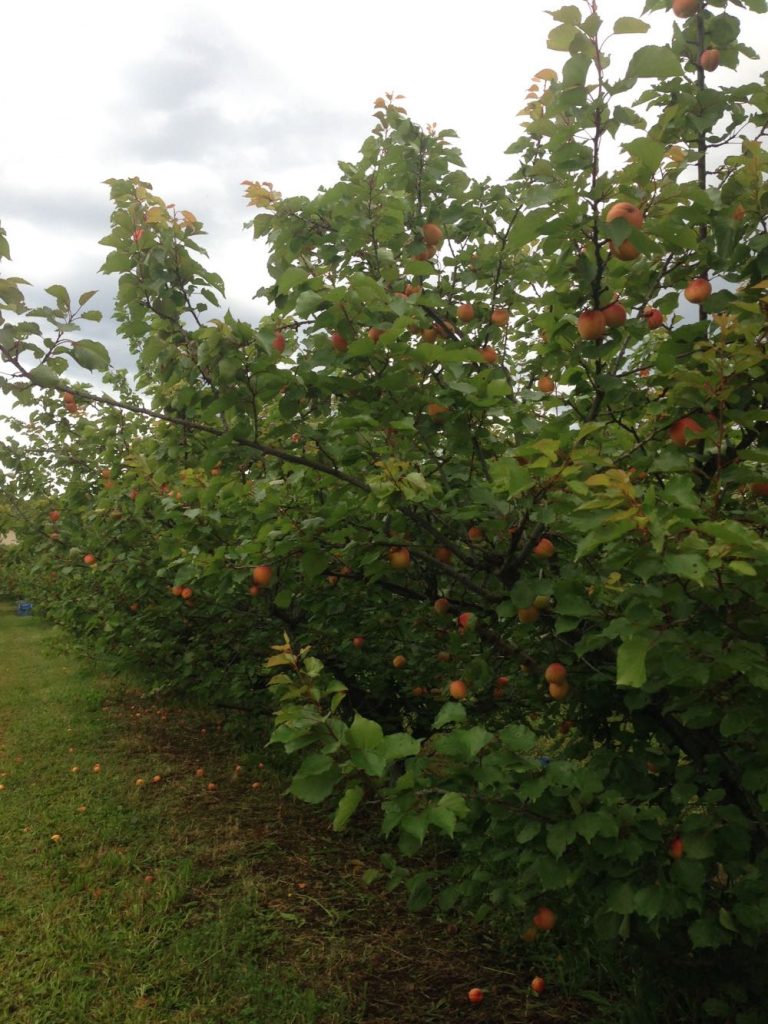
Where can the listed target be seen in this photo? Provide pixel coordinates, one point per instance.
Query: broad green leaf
(364, 733)
(290, 278)
(91, 354)
(654, 62)
(347, 806)
(628, 25)
(561, 37)
(630, 662)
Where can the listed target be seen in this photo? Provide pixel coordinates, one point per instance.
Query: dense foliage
(512, 546)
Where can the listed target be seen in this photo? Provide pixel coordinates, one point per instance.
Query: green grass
(123, 919)
(167, 903)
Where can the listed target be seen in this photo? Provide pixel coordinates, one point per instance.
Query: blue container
(24, 608)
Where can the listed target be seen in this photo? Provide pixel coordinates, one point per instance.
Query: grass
(169, 902)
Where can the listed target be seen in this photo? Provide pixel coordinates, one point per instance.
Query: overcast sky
(196, 96)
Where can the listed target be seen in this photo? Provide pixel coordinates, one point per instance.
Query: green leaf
(517, 738)
(290, 278)
(398, 745)
(654, 62)
(706, 933)
(91, 354)
(451, 711)
(624, 26)
(45, 377)
(364, 733)
(86, 297)
(60, 293)
(561, 37)
(314, 562)
(347, 806)
(742, 568)
(630, 662)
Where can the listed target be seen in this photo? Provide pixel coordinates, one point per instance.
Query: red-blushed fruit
(698, 290)
(443, 656)
(546, 385)
(709, 60)
(358, 641)
(528, 615)
(399, 661)
(559, 691)
(544, 549)
(538, 985)
(426, 254)
(466, 620)
(544, 919)
(211, 787)
(685, 8)
(555, 673)
(625, 211)
(653, 317)
(444, 555)
(374, 333)
(500, 317)
(457, 689)
(676, 848)
(760, 490)
(429, 334)
(186, 593)
(134, 607)
(615, 315)
(278, 343)
(475, 995)
(465, 312)
(432, 234)
(565, 727)
(253, 590)
(441, 605)
(137, 234)
(436, 411)
(54, 516)
(176, 591)
(475, 534)
(591, 324)
(261, 575)
(339, 342)
(739, 212)
(418, 691)
(89, 559)
(399, 558)
(413, 289)
(490, 355)
(680, 432)
(625, 252)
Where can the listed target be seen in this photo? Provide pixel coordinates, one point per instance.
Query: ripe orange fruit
(500, 317)
(537, 985)
(490, 355)
(675, 848)
(186, 593)
(559, 691)
(278, 343)
(443, 555)
(399, 661)
(432, 234)
(441, 605)
(465, 312)
(261, 575)
(544, 549)
(555, 673)
(546, 385)
(475, 995)
(54, 516)
(399, 558)
(457, 689)
(625, 211)
(211, 787)
(475, 534)
(338, 341)
(528, 615)
(89, 559)
(358, 641)
(544, 919)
